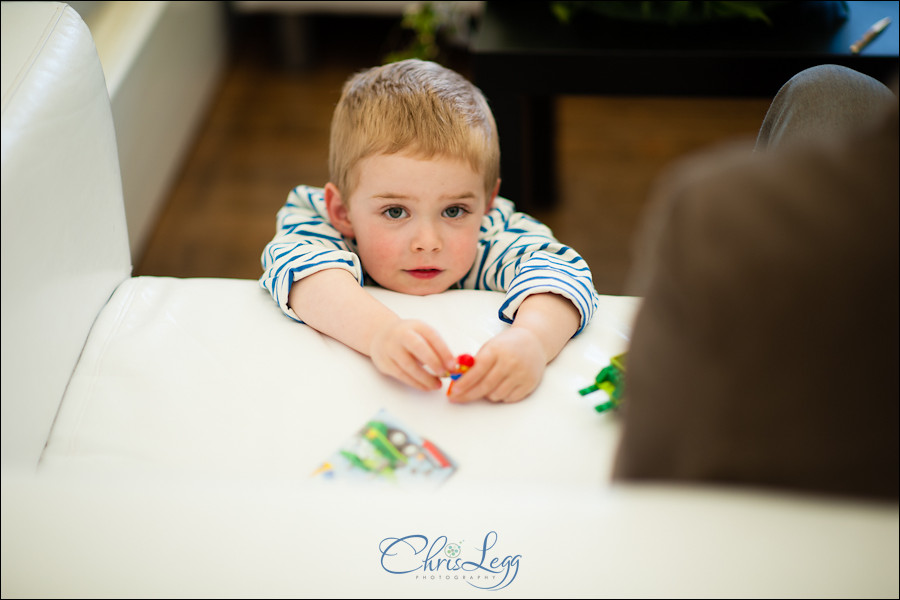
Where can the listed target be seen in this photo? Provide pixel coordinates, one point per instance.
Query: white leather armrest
(190, 377)
(65, 246)
(182, 457)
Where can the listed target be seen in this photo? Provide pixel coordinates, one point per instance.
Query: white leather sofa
(159, 435)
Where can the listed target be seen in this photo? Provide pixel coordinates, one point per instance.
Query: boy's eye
(453, 212)
(395, 212)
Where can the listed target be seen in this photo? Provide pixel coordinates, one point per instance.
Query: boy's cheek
(381, 252)
(376, 244)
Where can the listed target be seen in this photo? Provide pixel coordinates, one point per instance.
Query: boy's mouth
(424, 273)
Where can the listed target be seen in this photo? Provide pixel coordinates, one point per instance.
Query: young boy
(412, 206)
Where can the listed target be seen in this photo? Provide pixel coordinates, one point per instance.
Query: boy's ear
(490, 202)
(338, 212)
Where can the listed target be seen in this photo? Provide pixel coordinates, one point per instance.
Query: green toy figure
(610, 379)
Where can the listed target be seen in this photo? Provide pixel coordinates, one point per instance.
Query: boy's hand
(401, 348)
(411, 352)
(507, 369)
(510, 366)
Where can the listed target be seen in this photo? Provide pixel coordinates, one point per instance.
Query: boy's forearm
(552, 318)
(333, 303)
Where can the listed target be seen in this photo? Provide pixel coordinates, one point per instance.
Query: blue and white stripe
(517, 255)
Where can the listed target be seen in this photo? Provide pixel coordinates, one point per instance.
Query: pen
(869, 35)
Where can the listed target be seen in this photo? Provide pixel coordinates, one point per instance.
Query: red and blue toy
(464, 362)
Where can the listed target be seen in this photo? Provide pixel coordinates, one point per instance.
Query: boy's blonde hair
(415, 107)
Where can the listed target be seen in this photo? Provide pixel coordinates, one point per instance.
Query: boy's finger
(440, 360)
(411, 373)
(503, 392)
(423, 354)
(474, 383)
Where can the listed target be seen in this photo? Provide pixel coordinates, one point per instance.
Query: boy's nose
(426, 239)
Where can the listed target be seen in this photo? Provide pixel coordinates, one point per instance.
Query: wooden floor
(268, 131)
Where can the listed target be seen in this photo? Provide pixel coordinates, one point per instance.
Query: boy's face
(416, 222)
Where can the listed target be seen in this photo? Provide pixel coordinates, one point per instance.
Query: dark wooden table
(523, 57)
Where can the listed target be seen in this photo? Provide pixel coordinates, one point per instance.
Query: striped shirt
(516, 254)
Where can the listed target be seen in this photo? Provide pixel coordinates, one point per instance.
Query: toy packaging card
(386, 451)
